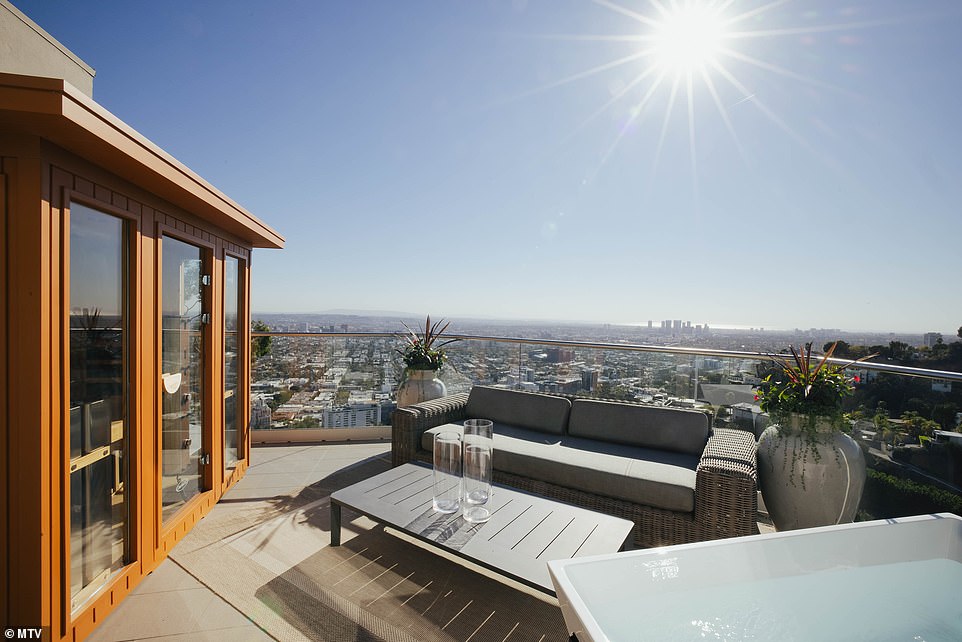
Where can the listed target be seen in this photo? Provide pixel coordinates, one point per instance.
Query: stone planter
(806, 484)
(418, 386)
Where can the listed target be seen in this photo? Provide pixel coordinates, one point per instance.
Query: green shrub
(890, 496)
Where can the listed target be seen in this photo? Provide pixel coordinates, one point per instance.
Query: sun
(690, 56)
(688, 38)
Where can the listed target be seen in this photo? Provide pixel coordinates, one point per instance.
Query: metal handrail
(906, 371)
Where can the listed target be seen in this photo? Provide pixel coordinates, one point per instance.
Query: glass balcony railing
(344, 385)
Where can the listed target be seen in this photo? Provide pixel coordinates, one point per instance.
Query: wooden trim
(170, 533)
(61, 532)
(213, 376)
(156, 423)
(71, 196)
(5, 464)
(106, 189)
(50, 368)
(133, 318)
(241, 394)
(136, 400)
(175, 228)
(144, 444)
(245, 340)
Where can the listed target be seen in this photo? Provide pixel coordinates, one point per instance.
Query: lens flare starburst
(692, 58)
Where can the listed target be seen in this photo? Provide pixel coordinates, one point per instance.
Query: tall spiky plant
(422, 351)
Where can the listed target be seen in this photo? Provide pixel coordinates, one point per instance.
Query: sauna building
(124, 390)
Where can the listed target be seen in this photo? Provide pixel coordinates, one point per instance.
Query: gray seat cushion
(534, 411)
(502, 434)
(673, 429)
(639, 475)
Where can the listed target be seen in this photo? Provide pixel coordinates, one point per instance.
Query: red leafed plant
(804, 387)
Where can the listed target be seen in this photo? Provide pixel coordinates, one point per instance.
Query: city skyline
(553, 160)
(949, 334)
(390, 321)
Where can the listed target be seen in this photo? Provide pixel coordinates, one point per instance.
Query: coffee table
(525, 531)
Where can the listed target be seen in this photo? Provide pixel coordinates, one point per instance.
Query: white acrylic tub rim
(720, 562)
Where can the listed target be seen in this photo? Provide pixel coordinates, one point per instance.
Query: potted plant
(811, 473)
(423, 357)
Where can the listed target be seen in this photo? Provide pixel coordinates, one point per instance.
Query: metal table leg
(335, 524)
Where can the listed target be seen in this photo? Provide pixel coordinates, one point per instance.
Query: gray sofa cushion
(639, 475)
(544, 413)
(681, 431)
(501, 432)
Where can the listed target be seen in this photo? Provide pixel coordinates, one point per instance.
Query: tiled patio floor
(170, 604)
(275, 519)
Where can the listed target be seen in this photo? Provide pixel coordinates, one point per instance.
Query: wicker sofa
(662, 468)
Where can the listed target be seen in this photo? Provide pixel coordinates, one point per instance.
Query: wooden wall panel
(28, 324)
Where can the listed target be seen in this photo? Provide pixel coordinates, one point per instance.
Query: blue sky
(499, 158)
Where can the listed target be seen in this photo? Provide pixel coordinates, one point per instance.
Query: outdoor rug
(271, 560)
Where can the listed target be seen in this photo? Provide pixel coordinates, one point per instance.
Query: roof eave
(55, 110)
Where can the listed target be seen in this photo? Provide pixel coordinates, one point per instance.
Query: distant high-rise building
(589, 380)
(353, 415)
(649, 324)
(929, 339)
(559, 355)
(260, 415)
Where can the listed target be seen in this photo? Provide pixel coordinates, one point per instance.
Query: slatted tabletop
(524, 532)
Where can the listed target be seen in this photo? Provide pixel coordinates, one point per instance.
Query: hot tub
(897, 579)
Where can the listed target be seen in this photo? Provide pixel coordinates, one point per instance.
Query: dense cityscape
(319, 381)
(305, 379)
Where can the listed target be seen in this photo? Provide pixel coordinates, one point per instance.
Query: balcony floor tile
(259, 566)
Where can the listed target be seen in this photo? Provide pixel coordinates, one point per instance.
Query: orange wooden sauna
(124, 392)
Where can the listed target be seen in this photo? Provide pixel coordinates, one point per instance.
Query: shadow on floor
(381, 586)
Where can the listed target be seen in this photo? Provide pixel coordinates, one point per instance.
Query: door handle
(118, 466)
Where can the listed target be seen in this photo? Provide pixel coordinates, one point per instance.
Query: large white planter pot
(808, 484)
(418, 386)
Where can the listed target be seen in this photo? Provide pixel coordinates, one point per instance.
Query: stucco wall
(27, 49)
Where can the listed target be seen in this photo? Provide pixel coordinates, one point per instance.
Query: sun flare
(688, 38)
(687, 58)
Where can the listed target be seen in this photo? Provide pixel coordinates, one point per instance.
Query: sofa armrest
(726, 484)
(408, 424)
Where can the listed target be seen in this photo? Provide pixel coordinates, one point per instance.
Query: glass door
(231, 360)
(184, 451)
(98, 345)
